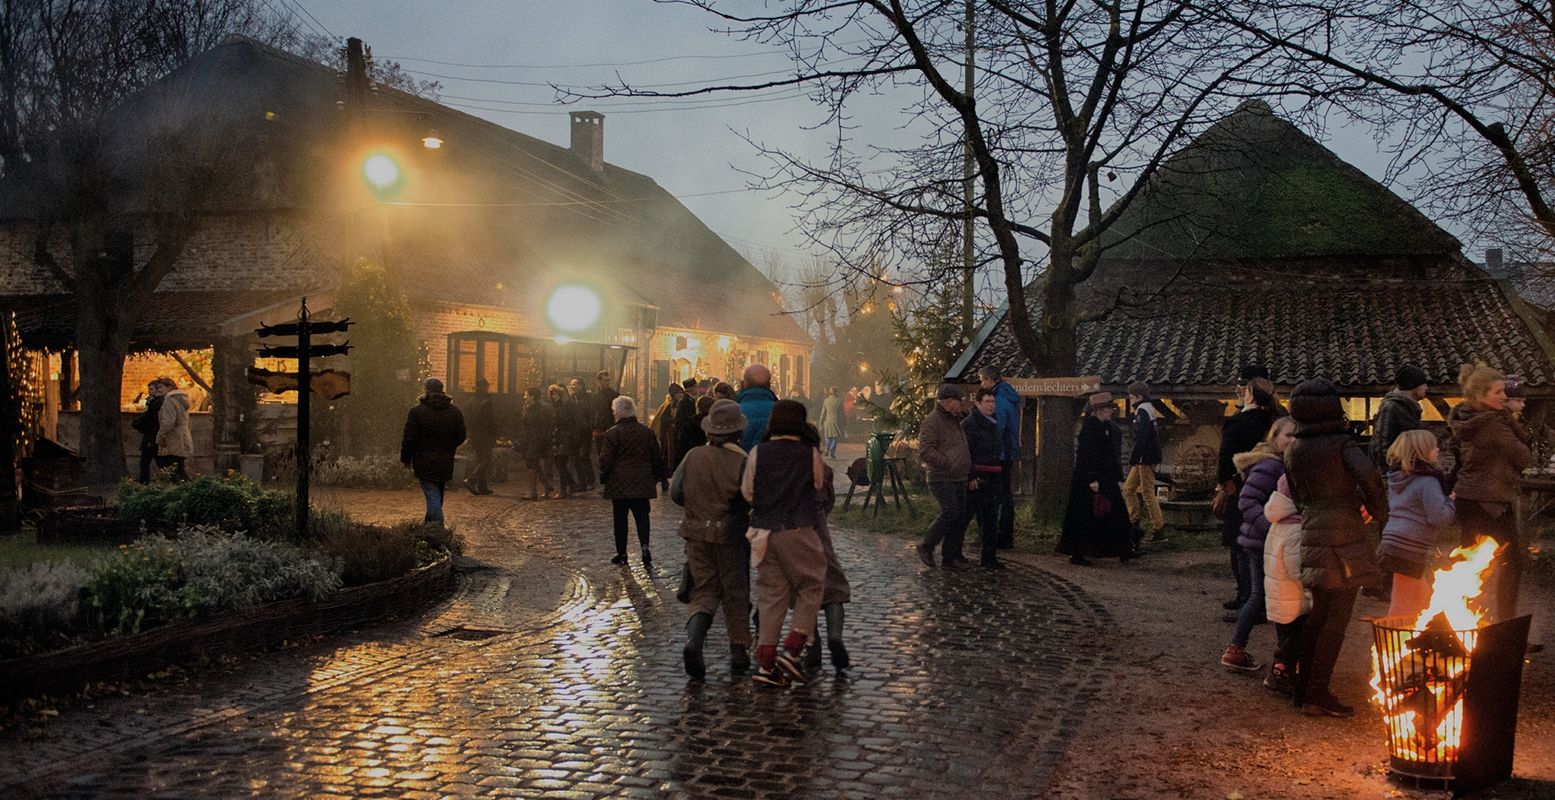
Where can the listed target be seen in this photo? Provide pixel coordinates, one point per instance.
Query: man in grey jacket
(1400, 411)
(948, 464)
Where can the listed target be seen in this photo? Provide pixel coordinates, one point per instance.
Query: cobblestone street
(553, 673)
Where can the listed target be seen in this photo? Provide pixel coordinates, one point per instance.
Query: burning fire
(1430, 669)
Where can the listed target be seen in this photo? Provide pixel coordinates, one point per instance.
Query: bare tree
(1466, 88)
(1073, 108)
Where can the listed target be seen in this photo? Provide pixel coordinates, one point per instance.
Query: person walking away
(536, 438)
(1418, 508)
(147, 422)
(1261, 469)
(434, 429)
(833, 422)
(782, 481)
(175, 442)
(1286, 601)
(838, 590)
(1144, 455)
(707, 484)
(604, 417)
(1399, 412)
(1095, 521)
(663, 422)
(756, 400)
(688, 423)
(1007, 406)
(631, 464)
(564, 418)
(581, 457)
(1327, 469)
(482, 426)
(1240, 433)
(948, 466)
(1493, 451)
(723, 391)
(985, 490)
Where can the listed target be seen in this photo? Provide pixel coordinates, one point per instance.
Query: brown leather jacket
(942, 446)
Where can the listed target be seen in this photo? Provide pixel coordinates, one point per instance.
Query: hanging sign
(1056, 387)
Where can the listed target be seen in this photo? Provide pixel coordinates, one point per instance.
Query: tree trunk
(103, 327)
(1056, 415)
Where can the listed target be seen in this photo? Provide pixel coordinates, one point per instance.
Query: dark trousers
(1322, 636)
(985, 507)
(638, 506)
(1242, 569)
(1007, 505)
(480, 467)
(1474, 520)
(564, 472)
(582, 466)
(177, 463)
(148, 460)
(950, 526)
(1287, 641)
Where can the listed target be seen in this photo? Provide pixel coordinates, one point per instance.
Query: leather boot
(739, 659)
(696, 633)
(835, 616)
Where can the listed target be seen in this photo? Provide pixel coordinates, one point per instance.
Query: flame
(1425, 683)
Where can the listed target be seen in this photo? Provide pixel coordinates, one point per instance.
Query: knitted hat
(1316, 400)
(1409, 377)
(788, 419)
(432, 386)
(951, 391)
(725, 417)
(1515, 387)
(1252, 371)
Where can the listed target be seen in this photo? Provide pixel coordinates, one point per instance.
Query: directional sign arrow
(295, 328)
(315, 351)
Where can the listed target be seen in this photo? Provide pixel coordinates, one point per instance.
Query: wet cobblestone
(554, 674)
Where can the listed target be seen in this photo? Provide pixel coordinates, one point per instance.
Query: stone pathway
(552, 673)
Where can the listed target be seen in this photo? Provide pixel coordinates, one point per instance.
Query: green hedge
(230, 502)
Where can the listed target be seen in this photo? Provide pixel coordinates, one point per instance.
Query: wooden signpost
(304, 329)
(1056, 387)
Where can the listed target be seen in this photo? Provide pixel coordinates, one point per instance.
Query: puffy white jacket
(1285, 598)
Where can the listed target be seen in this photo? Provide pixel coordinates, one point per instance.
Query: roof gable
(1253, 186)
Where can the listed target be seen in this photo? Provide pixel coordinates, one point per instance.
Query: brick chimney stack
(588, 139)
(1494, 263)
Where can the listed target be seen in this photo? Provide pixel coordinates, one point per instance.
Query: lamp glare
(573, 308)
(381, 171)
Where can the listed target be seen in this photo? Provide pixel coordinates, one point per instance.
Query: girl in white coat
(1286, 600)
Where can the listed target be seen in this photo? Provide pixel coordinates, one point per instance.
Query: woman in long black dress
(1096, 521)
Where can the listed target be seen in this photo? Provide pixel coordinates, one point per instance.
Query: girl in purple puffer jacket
(1261, 469)
(1418, 509)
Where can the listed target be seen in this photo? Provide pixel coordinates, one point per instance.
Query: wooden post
(304, 395)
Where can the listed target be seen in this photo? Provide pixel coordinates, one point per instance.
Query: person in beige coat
(707, 485)
(175, 443)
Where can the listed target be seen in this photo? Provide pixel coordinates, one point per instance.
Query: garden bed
(88, 524)
(265, 626)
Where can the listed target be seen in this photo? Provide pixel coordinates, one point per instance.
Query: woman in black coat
(1242, 432)
(631, 465)
(1097, 485)
(1327, 471)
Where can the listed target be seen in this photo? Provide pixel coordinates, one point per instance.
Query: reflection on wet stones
(965, 683)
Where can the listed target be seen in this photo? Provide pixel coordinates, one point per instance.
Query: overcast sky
(503, 54)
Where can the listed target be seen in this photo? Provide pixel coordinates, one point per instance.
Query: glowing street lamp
(381, 171)
(572, 308)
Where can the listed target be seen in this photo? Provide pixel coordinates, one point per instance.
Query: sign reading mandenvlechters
(1056, 387)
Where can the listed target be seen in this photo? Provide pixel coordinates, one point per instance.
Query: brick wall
(433, 324)
(244, 253)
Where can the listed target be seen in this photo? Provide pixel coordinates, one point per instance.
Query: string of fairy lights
(25, 369)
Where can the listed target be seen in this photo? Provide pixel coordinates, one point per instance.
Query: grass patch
(22, 549)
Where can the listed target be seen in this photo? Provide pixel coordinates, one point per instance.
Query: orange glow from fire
(1455, 596)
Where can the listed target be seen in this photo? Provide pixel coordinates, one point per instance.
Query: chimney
(588, 139)
(1494, 264)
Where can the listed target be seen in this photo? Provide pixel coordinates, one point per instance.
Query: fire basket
(1448, 685)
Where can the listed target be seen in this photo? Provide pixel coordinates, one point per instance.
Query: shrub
(231, 502)
(200, 571)
(365, 472)
(371, 553)
(40, 606)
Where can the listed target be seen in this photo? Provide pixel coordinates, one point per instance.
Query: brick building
(483, 235)
(1254, 244)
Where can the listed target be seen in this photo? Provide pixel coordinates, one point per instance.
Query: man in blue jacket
(755, 399)
(1007, 406)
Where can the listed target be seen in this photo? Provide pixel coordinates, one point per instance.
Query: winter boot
(696, 634)
(739, 659)
(835, 615)
(812, 659)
